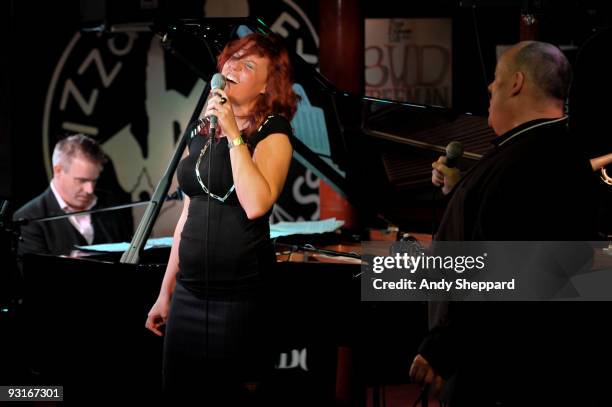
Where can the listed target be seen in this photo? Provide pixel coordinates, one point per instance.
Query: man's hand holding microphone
(444, 172)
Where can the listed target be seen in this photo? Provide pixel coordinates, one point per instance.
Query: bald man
(535, 185)
(525, 186)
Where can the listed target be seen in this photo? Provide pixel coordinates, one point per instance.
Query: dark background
(38, 33)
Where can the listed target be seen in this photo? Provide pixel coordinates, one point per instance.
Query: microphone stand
(217, 82)
(212, 132)
(132, 254)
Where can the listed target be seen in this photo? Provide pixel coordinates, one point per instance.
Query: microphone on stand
(217, 82)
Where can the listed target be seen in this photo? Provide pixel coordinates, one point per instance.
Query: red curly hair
(279, 97)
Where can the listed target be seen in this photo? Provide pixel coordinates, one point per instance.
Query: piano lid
(371, 151)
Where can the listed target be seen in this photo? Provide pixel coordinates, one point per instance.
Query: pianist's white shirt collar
(64, 206)
(82, 223)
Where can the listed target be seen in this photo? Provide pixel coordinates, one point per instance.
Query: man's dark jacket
(60, 236)
(534, 186)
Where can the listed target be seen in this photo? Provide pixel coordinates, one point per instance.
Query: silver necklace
(197, 172)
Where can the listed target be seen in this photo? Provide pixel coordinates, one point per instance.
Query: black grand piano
(85, 315)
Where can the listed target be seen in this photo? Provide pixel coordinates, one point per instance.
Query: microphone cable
(217, 82)
(208, 145)
(211, 135)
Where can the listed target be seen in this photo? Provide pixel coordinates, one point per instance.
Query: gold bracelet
(235, 142)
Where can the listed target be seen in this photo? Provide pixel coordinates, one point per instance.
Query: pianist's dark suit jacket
(59, 236)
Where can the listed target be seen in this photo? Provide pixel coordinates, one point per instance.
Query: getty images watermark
(498, 271)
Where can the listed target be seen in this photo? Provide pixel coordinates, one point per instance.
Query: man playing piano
(78, 161)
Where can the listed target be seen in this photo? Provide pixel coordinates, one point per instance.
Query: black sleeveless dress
(240, 249)
(217, 337)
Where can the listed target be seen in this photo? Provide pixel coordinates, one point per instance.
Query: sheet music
(304, 227)
(158, 242)
(276, 230)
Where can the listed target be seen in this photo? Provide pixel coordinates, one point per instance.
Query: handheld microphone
(217, 82)
(454, 151)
